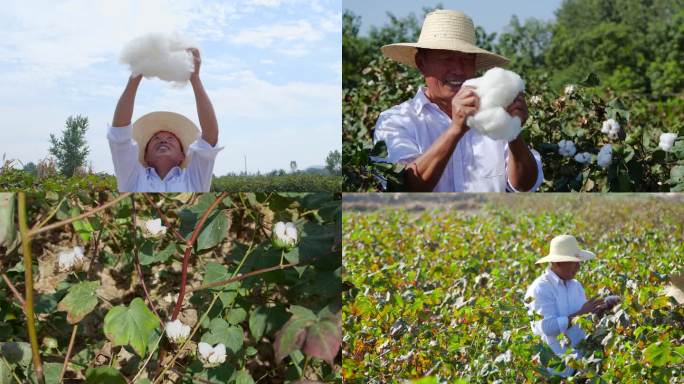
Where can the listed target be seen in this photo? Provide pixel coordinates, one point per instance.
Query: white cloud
(265, 36)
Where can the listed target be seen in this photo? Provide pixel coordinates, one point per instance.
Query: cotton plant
(569, 89)
(177, 332)
(72, 259)
(566, 148)
(605, 156)
(153, 228)
(611, 128)
(211, 356)
(285, 235)
(667, 141)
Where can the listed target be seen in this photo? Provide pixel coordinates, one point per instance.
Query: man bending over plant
(559, 299)
(164, 151)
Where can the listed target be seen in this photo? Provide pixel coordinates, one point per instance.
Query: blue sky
(492, 15)
(272, 69)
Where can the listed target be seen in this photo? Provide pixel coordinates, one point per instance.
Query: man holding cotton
(164, 151)
(557, 299)
(429, 133)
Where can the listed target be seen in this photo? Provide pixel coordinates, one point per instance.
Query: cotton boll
(496, 89)
(566, 148)
(611, 128)
(569, 89)
(667, 141)
(160, 55)
(605, 156)
(583, 158)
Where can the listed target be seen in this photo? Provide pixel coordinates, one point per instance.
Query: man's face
(444, 71)
(164, 144)
(566, 270)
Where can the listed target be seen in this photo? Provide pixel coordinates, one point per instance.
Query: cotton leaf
(132, 325)
(80, 301)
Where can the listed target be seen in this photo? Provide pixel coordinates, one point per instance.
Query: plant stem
(138, 268)
(10, 369)
(306, 364)
(14, 290)
(188, 251)
(78, 217)
(28, 275)
(68, 353)
(50, 215)
(242, 276)
(164, 218)
(156, 345)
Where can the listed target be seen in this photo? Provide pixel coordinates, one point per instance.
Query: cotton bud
(569, 89)
(177, 332)
(667, 141)
(605, 156)
(611, 128)
(211, 356)
(71, 259)
(153, 228)
(285, 235)
(566, 148)
(583, 158)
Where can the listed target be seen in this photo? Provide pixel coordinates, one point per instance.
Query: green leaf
(148, 255)
(323, 340)
(52, 371)
(222, 332)
(104, 375)
(80, 300)
(214, 272)
(243, 377)
(214, 231)
(659, 353)
(591, 80)
(293, 334)
(236, 316)
(133, 325)
(379, 149)
(16, 353)
(82, 227)
(265, 320)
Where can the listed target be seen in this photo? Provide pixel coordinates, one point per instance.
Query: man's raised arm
(205, 111)
(124, 108)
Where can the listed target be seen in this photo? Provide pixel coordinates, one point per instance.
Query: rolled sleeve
(401, 144)
(201, 166)
(540, 173)
(552, 324)
(124, 156)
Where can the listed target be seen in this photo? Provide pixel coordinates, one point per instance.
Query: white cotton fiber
(160, 55)
(497, 89)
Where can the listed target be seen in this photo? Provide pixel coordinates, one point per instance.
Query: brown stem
(242, 277)
(28, 275)
(138, 268)
(14, 290)
(188, 251)
(78, 217)
(68, 354)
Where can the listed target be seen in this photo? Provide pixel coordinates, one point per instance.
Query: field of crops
(18, 180)
(437, 294)
(110, 272)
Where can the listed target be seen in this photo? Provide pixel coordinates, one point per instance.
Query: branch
(68, 354)
(246, 275)
(138, 268)
(188, 251)
(28, 275)
(14, 290)
(58, 224)
(164, 218)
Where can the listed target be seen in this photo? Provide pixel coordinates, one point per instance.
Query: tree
(71, 149)
(293, 166)
(31, 168)
(333, 163)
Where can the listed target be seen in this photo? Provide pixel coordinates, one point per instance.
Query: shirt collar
(551, 276)
(420, 100)
(152, 173)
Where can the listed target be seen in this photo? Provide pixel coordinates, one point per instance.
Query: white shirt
(478, 163)
(554, 300)
(131, 176)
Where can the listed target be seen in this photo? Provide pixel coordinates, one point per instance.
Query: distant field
(436, 292)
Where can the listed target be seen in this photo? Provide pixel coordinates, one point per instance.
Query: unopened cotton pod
(497, 89)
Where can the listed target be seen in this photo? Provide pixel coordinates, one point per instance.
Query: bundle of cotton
(497, 89)
(160, 55)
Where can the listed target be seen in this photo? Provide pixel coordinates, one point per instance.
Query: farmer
(557, 299)
(429, 133)
(164, 151)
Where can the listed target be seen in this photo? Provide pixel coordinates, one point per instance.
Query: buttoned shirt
(554, 300)
(478, 163)
(132, 176)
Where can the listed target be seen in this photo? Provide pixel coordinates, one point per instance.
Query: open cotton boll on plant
(160, 55)
(497, 89)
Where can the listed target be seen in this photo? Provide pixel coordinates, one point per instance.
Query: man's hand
(197, 60)
(465, 103)
(594, 305)
(519, 108)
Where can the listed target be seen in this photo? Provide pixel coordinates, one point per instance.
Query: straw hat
(565, 248)
(183, 128)
(445, 29)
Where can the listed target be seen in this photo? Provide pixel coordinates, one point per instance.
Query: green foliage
(298, 182)
(439, 292)
(71, 149)
(104, 375)
(80, 300)
(133, 325)
(333, 163)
